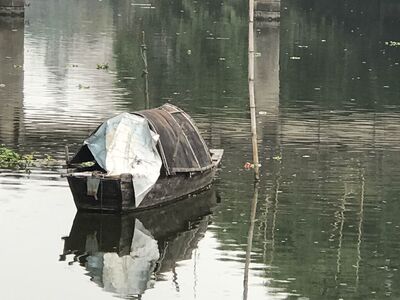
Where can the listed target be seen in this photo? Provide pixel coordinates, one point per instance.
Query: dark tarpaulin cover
(181, 146)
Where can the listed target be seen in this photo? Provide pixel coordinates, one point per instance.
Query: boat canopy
(181, 146)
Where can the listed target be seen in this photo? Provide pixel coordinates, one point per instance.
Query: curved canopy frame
(181, 146)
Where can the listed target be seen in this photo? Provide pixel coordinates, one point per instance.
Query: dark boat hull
(115, 195)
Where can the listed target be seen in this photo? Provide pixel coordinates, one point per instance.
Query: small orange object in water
(248, 166)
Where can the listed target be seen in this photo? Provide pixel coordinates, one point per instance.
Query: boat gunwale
(216, 157)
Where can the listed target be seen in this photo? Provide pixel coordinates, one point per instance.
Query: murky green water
(328, 92)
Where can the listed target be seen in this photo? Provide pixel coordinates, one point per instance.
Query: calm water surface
(326, 224)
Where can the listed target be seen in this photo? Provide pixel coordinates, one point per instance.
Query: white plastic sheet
(125, 144)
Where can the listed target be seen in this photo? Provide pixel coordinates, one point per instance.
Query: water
(326, 223)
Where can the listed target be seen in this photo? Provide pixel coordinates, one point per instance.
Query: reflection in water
(11, 79)
(267, 68)
(126, 254)
(250, 241)
(66, 96)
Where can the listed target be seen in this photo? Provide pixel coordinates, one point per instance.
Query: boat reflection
(125, 254)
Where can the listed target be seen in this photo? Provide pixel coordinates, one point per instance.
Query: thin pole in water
(251, 92)
(145, 74)
(66, 155)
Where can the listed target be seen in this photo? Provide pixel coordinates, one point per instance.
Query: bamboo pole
(145, 73)
(251, 92)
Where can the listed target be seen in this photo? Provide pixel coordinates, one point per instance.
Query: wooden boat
(188, 166)
(154, 241)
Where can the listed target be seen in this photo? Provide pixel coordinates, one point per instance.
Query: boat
(126, 254)
(141, 160)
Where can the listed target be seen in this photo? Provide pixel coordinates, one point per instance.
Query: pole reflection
(11, 79)
(250, 241)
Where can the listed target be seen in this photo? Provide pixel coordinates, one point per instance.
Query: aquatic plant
(9, 159)
(87, 164)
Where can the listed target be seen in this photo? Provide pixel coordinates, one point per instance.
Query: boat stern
(93, 192)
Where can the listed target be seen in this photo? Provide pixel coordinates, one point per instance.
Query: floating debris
(248, 166)
(103, 66)
(393, 43)
(295, 57)
(2, 85)
(81, 86)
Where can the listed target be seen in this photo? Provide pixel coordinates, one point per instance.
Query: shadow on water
(127, 254)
